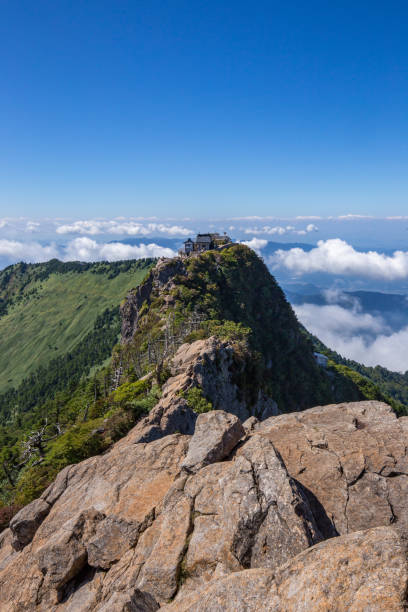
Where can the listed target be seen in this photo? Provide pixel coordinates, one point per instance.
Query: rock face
(99, 510)
(160, 279)
(351, 457)
(216, 434)
(207, 364)
(230, 518)
(366, 570)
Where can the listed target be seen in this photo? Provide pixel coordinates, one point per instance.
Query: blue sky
(203, 108)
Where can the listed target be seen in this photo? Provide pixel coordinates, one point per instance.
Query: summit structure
(205, 242)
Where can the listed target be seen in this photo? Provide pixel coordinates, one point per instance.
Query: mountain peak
(229, 294)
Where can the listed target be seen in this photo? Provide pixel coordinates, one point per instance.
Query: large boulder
(351, 458)
(26, 522)
(246, 512)
(216, 434)
(364, 571)
(101, 508)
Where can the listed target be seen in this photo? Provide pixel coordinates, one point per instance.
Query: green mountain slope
(47, 309)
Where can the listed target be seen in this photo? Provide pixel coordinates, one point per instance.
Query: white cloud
(337, 296)
(27, 251)
(256, 243)
(335, 256)
(252, 218)
(86, 249)
(93, 227)
(266, 229)
(82, 248)
(32, 226)
(280, 230)
(339, 320)
(356, 335)
(81, 227)
(351, 217)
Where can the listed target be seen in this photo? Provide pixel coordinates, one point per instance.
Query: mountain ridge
(182, 475)
(226, 295)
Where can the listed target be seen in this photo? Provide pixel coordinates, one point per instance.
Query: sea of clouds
(358, 336)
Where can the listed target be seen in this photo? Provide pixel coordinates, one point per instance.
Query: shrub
(229, 330)
(196, 400)
(129, 391)
(6, 514)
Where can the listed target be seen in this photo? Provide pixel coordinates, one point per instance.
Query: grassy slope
(51, 321)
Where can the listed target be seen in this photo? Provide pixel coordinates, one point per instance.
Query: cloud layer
(83, 249)
(256, 243)
(337, 257)
(86, 249)
(121, 227)
(33, 252)
(356, 335)
(279, 230)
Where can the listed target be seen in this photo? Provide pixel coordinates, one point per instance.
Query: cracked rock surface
(229, 518)
(351, 457)
(216, 435)
(363, 571)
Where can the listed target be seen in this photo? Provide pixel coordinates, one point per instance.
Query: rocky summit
(227, 488)
(304, 511)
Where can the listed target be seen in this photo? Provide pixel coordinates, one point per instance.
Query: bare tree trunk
(8, 474)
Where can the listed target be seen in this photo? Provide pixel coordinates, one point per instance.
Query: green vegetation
(364, 387)
(48, 309)
(66, 371)
(196, 400)
(231, 294)
(87, 420)
(63, 410)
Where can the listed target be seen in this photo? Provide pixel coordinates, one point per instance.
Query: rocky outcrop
(133, 519)
(352, 458)
(247, 512)
(366, 570)
(100, 509)
(213, 365)
(229, 518)
(160, 280)
(216, 434)
(210, 365)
